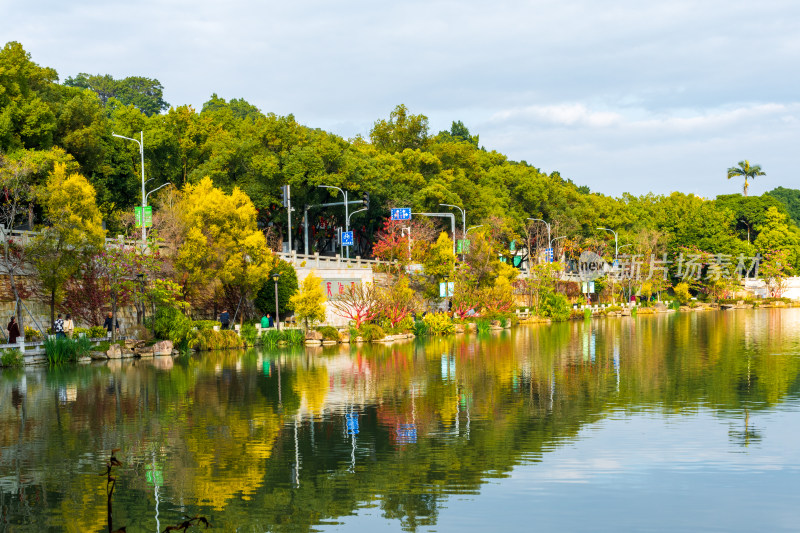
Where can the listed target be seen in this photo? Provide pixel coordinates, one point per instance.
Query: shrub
(229, 339)
(96, 332)
(11, 357)
(32, 335)
(613, 309)
(682, 292)
(78, 331)
(556, 307)
(587, 314)
(329, 333)
(203, 325)
(171, 324)
(249, 334)
(420, 328)
(503, 317)
(371, 332)
(439, 323)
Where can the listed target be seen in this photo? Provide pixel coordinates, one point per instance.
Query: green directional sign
(148, 216)
(462, 246)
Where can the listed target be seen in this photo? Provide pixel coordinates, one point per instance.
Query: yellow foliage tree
(221, 241)
(74, 230)
(309, 302)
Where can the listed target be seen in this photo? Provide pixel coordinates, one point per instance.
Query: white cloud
(598, 91)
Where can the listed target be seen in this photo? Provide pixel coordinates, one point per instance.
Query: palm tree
(747, 171)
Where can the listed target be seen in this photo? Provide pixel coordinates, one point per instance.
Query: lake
(686, 421)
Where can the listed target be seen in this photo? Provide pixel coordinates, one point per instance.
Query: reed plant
(63, 350)
(482, 326)
(294, 337)
(270, 338)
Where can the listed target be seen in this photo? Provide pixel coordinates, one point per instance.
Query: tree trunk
(114, 317)
(53, 308)
(17, 301)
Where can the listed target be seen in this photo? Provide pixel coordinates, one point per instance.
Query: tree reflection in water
(286, 440)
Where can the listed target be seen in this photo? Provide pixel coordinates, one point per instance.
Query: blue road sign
(550, 255)
(347, 238)
(401, 213)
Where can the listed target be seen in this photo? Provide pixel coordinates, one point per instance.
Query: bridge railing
(328, 262)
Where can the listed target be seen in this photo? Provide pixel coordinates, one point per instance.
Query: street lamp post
(546, 224)
(463, 224)
(549, 242)
(353, 213)
(275, 278)
(402, 232)
(616, 241)
(144, 196)
(346, 215)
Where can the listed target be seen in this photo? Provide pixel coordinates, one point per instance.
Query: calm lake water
(684, 422)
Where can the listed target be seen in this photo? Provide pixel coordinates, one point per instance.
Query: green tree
(402, 131)
(778, 233)
(27, 119)
(747, 171)
(143, 93)
(791, 199)
(287, 287)
(309, 303)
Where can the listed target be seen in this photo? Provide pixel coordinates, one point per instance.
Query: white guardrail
(325, 261)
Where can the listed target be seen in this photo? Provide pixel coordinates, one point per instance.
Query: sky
(620, 95)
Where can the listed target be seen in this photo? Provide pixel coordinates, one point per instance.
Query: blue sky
(618, 95)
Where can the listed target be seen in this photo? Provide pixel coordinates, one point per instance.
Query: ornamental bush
(329, 333)
(556, 307)
(439, 323)
(372, 332)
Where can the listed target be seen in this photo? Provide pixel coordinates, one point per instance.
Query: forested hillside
(400, 164)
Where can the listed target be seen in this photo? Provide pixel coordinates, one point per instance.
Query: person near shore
(225, 319)
(58, 327)
(270, 321)
(109, 323)
(13, 330)
(264, 322)
(69, 326)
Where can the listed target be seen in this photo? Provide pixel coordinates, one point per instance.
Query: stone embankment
(133, 348)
